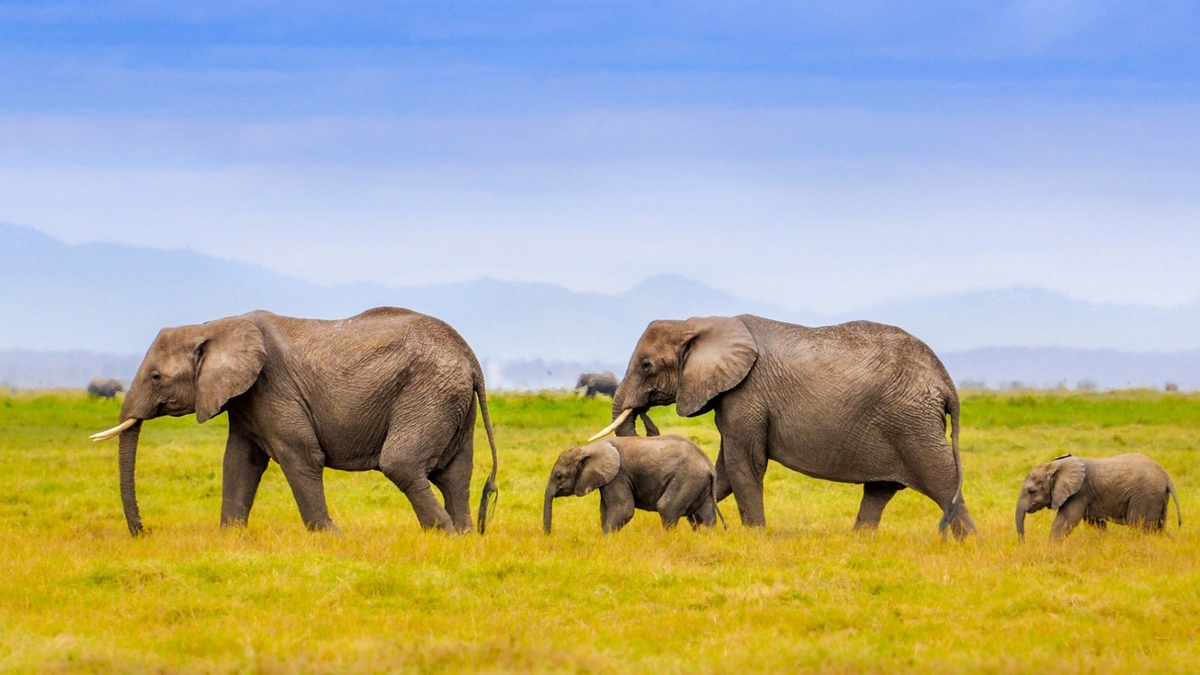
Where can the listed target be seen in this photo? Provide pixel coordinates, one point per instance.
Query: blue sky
(816, 155)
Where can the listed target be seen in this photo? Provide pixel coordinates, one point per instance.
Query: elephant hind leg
(704, 514)
(673, 504)
(875, 497)
(410, 453)
(1148, 511)
(961, 526)
(454, 480)
(933, 471)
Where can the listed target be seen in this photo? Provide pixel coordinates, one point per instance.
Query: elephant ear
(1068, 478)
(716, 358)
(598, 466)
(229, 358)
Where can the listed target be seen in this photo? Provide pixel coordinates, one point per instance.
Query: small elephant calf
(667, 474)
(1127, 489)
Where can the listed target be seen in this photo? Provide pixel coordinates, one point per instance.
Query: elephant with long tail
(389, 390)
(859, 402)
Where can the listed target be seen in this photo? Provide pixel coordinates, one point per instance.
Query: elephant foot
(868, 526)
(961, 526)
(328, 526)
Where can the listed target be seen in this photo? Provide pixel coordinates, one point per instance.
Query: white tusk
(612, 427)
(105, 435)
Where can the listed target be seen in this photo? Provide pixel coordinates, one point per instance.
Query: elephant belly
(352, 447)
(833, 455)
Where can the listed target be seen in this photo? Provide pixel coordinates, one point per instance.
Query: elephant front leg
(745, 464)
(875, 497)
(616, 508)
(308, 487)
(1069, 515)
(242, 472)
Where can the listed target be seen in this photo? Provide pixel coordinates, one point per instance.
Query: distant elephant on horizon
(597, 383)
(389, 390)
(858, 402)
(1129, 489)
(105, 387)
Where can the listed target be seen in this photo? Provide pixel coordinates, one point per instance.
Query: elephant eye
(646, 366)
(156, 376)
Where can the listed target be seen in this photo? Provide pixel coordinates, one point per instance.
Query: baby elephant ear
(1068, 478)
(599, 463)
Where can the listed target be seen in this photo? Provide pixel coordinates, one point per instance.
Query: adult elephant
(597, 383)
(104, 387)
(389, 389)
(859, 402)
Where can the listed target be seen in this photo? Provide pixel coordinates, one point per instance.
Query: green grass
(78, 594)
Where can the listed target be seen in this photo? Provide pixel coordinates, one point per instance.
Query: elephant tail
(487, 500)
(1178, 512)
(716, 506)
(953, 408)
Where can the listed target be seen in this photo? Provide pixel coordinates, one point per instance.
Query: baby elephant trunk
(1021, 509)
(547, 510)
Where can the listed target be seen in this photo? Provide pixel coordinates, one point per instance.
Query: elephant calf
(667, 474)
(1127, 489)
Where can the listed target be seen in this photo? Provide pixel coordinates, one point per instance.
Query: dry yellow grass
(78, 594)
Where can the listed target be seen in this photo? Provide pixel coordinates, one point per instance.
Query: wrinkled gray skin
(597, 383)
(859, 402)
(666, 474)
(1127, 489)
(105, 387)
(389, 390)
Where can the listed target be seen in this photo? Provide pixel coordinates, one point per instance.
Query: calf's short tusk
(105, 435)
(612, 427)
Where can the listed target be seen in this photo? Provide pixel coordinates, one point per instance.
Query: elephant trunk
(127, 458)
(547, 510)
(1021, 510)
(626, 427)
(651, 429)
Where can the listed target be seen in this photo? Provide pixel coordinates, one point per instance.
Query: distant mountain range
(101, 300)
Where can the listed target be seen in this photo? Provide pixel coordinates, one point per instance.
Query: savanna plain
(77, 593)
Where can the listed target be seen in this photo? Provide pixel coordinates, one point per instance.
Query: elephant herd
(395, 391)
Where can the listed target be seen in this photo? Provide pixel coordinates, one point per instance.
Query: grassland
(78, 594)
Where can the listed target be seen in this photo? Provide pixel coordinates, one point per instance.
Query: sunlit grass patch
(77, 593)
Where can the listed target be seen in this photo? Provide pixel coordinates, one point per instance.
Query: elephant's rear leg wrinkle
(875, 497)
(410, 453)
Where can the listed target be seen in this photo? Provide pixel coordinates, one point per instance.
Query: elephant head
(1049, 485)
(578, 471)
(688, 363)
(190, 369)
